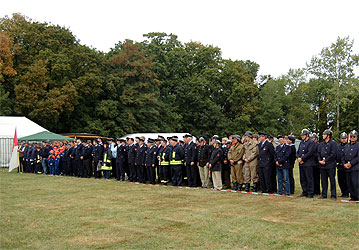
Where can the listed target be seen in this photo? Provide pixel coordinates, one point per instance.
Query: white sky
(277, 34)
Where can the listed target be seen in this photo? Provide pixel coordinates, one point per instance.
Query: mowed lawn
(43, 212)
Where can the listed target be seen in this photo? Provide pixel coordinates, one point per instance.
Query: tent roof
(43, 136)
(23, 125)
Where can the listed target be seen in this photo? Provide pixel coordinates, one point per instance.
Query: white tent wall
(24, 127)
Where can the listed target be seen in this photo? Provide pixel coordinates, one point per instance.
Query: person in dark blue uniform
(292, 158)
(150, 160)
(97, 157)
(281, 158)
(316, 169)
(342, 181)
(327, 155)
(131, 160)
(121, 159)
(176, 158)
(266, 163)
(85, 156)
(140, 160)
(190, 157)
(164, 163)
(350, 162)
(306, 159)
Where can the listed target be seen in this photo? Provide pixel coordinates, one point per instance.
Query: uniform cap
(262, 134)
(314, 135)
(280, 136)
(353, 133)
(236, 137)
(149, 140)
(229, 142)
(327, 132)
(215, 137)
(305, 132)
(292, 138)
(248, 133)
(201, 139)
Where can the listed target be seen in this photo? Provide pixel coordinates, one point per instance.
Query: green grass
(44, 212)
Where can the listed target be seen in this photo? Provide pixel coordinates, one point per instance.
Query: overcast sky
(277, 34)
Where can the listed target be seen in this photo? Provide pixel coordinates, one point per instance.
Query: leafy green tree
(336, 64)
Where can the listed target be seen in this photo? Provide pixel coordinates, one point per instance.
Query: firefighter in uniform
(106, 166)
(340, 167)
(327, 155)
(350, 162)
(235, 155)
(163, 161)
(250, 157)
(176, 158)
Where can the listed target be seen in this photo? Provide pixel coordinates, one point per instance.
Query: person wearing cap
(215, 165)
(226, 167)
(190, 160)
(250, 157)
(176, 159)
(327, 155)
(72, 157)
(131, 155)
(281, 158)
(316, 169)
(77, 158)
(66, 160)
(163, 162)
(85, 157)
(350, 158)
(266, 163)
(150, 160)
(140, 160)
(106, 165)
(342, 181)
(97, 154)
(37, 161)
(120, 159)
(235, 155)
(307, 160)
(203, 159)
(32, 153)
(292, 158)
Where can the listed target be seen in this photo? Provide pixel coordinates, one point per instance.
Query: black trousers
(113, 164)
(274, 179)
(176, 175)
(38, 168)
(306, 180)
(151, 173)
(132, 171)
(120, 169)
(342, 180)
(316, 179)
(265, 179)
(164, 173)
(353, 183)
(226, 175)
(77, 167)
(325, 174)
(291, 180)
(141, 174)
(192, 175)
(97, 174)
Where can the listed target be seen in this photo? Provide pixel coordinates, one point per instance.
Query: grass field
(43, 212)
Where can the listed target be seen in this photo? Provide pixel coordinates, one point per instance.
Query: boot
(248, 185)
(255, 187)
(235, 186)
(240, 187)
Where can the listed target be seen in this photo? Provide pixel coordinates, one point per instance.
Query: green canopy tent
(44, 136)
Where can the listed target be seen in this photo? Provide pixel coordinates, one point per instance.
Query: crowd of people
(253, 162)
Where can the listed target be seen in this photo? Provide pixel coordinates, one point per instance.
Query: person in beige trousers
(250, 157)
(235, 155)
(215, 165)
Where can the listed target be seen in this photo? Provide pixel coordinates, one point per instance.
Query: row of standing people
(237, 161)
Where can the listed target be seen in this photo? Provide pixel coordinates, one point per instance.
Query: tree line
(164, 85)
